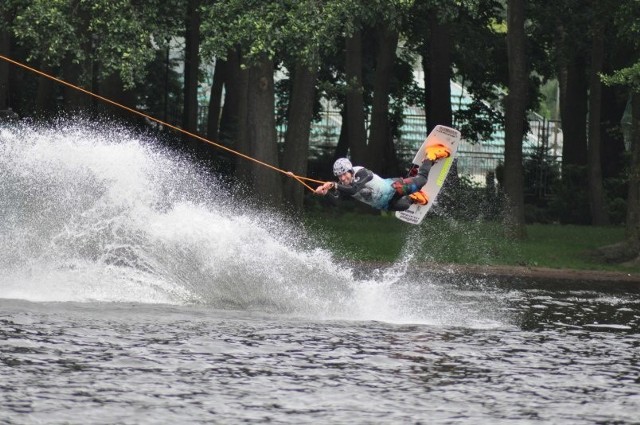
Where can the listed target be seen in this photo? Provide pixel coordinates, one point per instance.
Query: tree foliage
(303, 29)
(628, 30)
(117, 34)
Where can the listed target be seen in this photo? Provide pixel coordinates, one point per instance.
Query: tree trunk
(599, 214)
(191, 67)
(573, 111)
(296, 145)
(628, 251)
(515, 118)
(573, 87)
(436, 63)
(234, 115)
(612, 138)
(342, 148)
(74, 101)
(234, 88)
(574, 114)
(438, 108)
(45, 106)
(112, 88)
(633, 198)
(215, 99)
(382, 156)
(426, 67)
(5, 49)
(355, 123)
(261, 132)
(79, 72)
(240, 131)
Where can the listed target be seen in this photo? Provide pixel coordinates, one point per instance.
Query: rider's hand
(322, 190)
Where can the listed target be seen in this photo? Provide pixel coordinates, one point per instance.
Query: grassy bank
(384, 238)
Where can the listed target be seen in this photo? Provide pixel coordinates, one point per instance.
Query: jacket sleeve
(362, 177)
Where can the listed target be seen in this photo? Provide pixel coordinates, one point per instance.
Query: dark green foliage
(571, 201)
(616, 190)
(625, 16)
(403, 89)
(165, 103)
(115, 33)
(493, 201)
(478, 121)
(464, 199)
(541, 176)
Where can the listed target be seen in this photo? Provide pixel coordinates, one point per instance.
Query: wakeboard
(440, 135)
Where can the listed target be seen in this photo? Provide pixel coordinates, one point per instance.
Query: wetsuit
(384, 194)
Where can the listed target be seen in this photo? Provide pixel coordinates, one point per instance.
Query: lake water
(132, 291)
(526, 356)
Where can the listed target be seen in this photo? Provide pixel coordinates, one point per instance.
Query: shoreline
(543, 274)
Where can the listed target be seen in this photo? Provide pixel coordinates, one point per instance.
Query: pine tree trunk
(633, 198)
(5, 50)
(611, 136)
(628, 251)
(234, 91)
(74, 101)
(438, 109)
(45, 106)
(296, 145)
(355, 122)
(215, 99)
(191, 67)
(599, 214)
(75, 72)
(240, 131)
(342, 148)
(382, 156)
(112, 87)
(261, 132)
(573, 101)
(436, 63)
(515, 118)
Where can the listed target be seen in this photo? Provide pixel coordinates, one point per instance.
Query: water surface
(570, 358)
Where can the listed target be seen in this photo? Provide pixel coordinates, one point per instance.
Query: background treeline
(359, 54)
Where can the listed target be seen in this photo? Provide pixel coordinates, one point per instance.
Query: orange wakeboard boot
(436, 152)
(419, 198)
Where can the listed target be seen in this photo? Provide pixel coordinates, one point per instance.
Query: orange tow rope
(300, 179)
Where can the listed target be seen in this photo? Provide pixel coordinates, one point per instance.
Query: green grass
(363, 237)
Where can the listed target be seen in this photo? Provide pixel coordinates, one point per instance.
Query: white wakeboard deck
(442, 135)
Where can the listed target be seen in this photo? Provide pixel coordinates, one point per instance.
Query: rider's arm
(359, 180)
